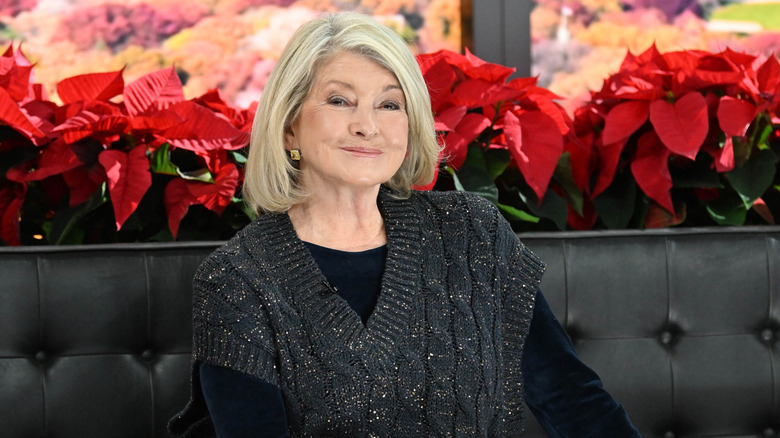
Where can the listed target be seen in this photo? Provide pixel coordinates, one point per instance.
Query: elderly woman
(354, 306)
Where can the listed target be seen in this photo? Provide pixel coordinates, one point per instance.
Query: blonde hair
(271, 181)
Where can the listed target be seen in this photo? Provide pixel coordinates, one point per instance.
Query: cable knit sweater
(439, 356)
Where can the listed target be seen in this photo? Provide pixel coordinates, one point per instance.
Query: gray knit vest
(439, 356)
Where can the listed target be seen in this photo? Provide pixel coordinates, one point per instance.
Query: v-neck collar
(328, 314)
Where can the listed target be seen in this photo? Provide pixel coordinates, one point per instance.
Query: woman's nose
(363, 124)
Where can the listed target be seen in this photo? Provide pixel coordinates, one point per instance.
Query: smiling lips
(363, 152)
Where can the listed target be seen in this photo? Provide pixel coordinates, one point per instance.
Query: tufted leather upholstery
(682, 326)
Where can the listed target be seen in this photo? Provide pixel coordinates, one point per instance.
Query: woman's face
(352, 130)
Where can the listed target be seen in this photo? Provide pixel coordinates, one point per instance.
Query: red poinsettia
(661, 112)
(108, 137)
(477, 106)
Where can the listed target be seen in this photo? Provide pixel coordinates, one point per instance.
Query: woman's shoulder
(251, 242)
(461, 204)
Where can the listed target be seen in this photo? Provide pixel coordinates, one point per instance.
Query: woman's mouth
(363, 152)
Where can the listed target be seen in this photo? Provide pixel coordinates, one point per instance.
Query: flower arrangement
(502, 139)
(685, 138)
(99, 169)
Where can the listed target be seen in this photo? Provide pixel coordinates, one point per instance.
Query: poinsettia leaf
(11, 115)
(11, 200)
(87, 124)
(563, 175)
(651, 169)
(659, 217)
(760, 207)
(474, 93)
(609, 157)
(57, 157)
(457, 142)
(158, 121)
(177, 199)
(214, 100)
(202, 130)
(220, 194)
(724, 157)
(490, 72)
(64, 228)
(439, 77)
(83, 182)
(16, 81)
(91, 86)
(615, 205)
(517, 214)
(698, 174)
(755, 176)
(448, 119)
(623, 120)
(768, 75)
(552, 206)
(546, 105)
(681, 126)
(128, 180)
(161, 161)
(496, 161)
(735, 115)
(154, 91)
(238, 157)
(536, 145)
(202, 175)
(474, 177)
(727, 210)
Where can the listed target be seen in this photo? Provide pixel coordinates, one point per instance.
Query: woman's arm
(241, 405)
(565, 396)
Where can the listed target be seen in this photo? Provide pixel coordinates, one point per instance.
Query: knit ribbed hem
(517, 315)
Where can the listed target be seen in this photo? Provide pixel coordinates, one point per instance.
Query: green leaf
(245, 208)
(201, 174)
(161, 161)
(238, 157)
(474, 177)
(763, 142)
(518, 214)
(727, 210)
(699, 174)
(64, 229)
(754, 177)
(615, 205)
(455, 180)
(496, 161)
(553, 207)
(563, 175)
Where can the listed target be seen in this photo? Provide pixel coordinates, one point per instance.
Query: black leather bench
(682, 325)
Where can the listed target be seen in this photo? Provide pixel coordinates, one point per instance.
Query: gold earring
(295, 154)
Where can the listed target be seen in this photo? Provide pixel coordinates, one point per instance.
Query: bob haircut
(271, 180)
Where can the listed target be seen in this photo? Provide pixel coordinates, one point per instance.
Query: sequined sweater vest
(439, 356)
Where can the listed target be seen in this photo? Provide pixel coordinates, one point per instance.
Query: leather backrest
(682, 326)
(95, 341)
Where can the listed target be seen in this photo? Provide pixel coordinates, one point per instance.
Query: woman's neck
(346, 220)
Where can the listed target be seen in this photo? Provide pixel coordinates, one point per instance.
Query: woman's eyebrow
(352, 87)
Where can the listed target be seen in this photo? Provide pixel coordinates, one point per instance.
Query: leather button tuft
(767, 335)
(666, 339)
(41, 356)
(769, 433)
(147, 354)
(669, 434)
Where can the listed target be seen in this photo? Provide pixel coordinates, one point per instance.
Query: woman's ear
(289, 138)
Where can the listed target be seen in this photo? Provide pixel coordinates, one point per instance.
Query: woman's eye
(337, 101)
(391, 106)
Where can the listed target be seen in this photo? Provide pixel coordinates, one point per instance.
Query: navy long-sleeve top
(565, 396)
